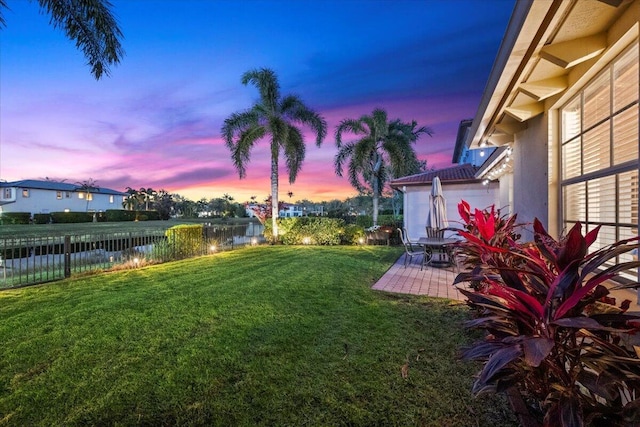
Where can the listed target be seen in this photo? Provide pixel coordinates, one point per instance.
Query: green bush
(185, 240)
(71, 217)
(41, 218)
(101, 216)
(353, 235)
(364, 221)
(152, 215)
(116, 215)
(8, 218)
(307, 230)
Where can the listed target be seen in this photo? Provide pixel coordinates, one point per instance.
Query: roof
(461, 139)
(459, 174)
(57, 186)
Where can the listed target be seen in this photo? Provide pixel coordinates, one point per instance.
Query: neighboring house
(462, 153)
(289, 211)
(562, 102)
(458, 182)
(49, 196)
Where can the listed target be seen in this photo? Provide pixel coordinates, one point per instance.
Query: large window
(599, 132)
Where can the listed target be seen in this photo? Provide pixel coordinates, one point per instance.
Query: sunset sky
(155, 122)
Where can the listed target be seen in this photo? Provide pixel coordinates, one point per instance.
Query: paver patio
(430, 281)
(437, 282)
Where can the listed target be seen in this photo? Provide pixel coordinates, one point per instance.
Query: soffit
(553, 39)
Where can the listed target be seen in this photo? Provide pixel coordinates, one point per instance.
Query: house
(48, 196)
(562, 102)
(289, 210)
(458, 182)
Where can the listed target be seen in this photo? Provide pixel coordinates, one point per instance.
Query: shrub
(71, 217)
(116, 215)
(185, 240)
(552, 332)
(41, 218)
(7, 218)
(353, 235)
(307, 230)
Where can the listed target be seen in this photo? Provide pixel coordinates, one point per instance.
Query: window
(7, 193)
(25, 192)
(80, 195)
(67, 195)
(111, 199)
(58, 195)
(89, 196)
(599, 154)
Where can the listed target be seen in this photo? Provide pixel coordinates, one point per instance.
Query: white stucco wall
(46, 201)
(530, 176)
(417, 203)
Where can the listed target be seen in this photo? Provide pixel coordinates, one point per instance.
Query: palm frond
(295, 151)
(92, 26)
(349, 126)
(344, 153)
(266, 81)
(237, 123)
(3, 5)
(242, 149)
(293, 108)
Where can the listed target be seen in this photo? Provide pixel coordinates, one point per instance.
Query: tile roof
(56, 186)
(458, 174)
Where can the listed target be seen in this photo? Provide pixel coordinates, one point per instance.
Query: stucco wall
(530, 181)
(45, 201)
(417, 203)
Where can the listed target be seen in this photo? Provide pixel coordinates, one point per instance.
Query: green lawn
(270, 336)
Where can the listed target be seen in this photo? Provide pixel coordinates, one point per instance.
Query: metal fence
(32, 260)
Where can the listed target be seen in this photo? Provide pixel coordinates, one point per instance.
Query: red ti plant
(551, 331)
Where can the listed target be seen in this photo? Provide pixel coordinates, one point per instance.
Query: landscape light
(254, 241)
(212, 248)
(136, 261)
(306, 240)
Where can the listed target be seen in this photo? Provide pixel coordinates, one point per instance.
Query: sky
(155, 121)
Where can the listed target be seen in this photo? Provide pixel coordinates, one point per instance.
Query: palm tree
(276, 117)
(383, 151)
(86, 188)
(90, 24)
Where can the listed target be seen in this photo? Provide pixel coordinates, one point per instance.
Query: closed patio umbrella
(437, 215)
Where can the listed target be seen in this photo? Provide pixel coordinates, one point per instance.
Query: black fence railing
(32, 260)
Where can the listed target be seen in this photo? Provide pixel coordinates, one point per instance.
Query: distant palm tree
(90, 24)
(276, 117)
(87, 188)
(383, 151)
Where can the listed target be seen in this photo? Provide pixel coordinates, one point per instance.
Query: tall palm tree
(90, 24)
(383, 150)
(276, 118)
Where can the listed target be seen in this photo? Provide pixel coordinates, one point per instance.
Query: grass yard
(271, 336)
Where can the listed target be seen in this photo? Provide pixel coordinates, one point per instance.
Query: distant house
(48, 196)
(289, 211)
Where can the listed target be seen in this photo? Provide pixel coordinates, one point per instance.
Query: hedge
(71, 217)
(307, 230)
(185, 240)
(8, 218)
(116, 215)
(41, 218)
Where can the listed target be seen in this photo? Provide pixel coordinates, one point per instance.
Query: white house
(563, 96)
(289, 211)
(458, 183)
(48, 196)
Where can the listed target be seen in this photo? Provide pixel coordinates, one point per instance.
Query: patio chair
(409, 251)
(435, 233)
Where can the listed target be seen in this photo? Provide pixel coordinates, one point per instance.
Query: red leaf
(571, 302)
(485, 225)
(465, 211)
(574, 248)
(592, 236)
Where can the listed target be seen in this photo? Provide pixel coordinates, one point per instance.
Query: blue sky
(155, 122)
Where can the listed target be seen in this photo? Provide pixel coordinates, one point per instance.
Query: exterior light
(306, 240)
(254, 241)
(485, 182)
(482, 153)
(212, 248)
(361, 240)
(136, 261)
